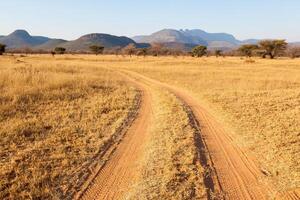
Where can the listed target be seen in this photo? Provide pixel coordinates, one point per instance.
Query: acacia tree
(2, 48)
(59, 50)
(273, 48)
(248, 49)
(129, 49)
(199, 51)
(96, 49)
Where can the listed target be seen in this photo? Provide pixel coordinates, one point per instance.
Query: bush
(59, 50)
(247, 49)
(2, 48)
(199, 51)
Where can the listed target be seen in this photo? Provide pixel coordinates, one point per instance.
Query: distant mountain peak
(21, 39)
(108, 41)
(92, 36)
(191, 36)
(20, 32)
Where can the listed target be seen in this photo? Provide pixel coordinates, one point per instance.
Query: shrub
(59, 50)
(248, 49)
(2, 48)
(199, 51)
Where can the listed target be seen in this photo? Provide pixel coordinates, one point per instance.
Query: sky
(70, 19)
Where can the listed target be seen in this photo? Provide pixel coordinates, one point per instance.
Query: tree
(248, 49)
(273, 48)
(2, 48)
(199, 51)
(129, 49)
(59, 50)
(96, 49)
(218, 52)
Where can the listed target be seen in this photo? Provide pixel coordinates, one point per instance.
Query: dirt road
(238, 177)
(236, 174)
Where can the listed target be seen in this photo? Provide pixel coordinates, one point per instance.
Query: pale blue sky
(70, 19)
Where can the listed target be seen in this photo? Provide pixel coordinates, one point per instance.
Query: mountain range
(194, 37)
(21, 39)
(171, 38)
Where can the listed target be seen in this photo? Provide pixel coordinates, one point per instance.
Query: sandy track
(235, 175)
(289, 195)
(120, 171)
(238, 177)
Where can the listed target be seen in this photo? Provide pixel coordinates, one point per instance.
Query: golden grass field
(57, 112)
(55, 117)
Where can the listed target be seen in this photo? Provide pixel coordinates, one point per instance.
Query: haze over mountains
(180, 39)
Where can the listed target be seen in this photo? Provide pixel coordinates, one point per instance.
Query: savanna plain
(120, 127)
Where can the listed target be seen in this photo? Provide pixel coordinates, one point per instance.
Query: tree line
(265, 49)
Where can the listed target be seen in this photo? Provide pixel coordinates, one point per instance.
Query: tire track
(121, 170)
(211, 182)
(237, 174)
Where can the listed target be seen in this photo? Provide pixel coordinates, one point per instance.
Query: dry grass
(55, 113)
(55, 116)
(171, 169)
(259, 102)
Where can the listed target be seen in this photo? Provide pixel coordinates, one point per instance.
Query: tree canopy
(273, 48)
(248, 49)
(2, 48)
(199, 51)
(59, 50)
(97, 49)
